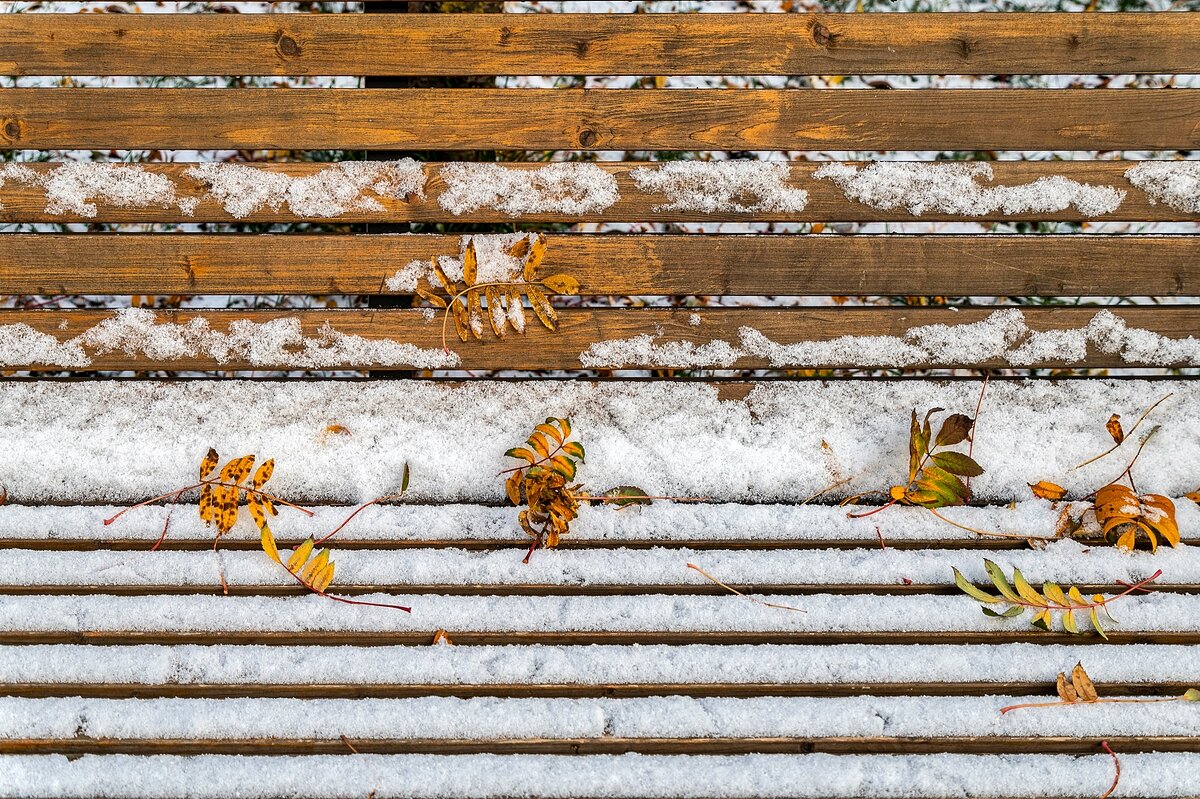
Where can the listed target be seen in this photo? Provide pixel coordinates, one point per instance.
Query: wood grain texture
(601, 119)
(593, 746)
(655, 264)
(577, 44)
(826, 203)
(176, 690)
(580, 328)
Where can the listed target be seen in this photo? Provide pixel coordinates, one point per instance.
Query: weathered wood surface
(574, 44)
(607, 119)
(647, 264)
(24, 202)
(579, 329)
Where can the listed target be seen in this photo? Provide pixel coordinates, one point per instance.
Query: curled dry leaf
(1044, 489)
(1123, 515)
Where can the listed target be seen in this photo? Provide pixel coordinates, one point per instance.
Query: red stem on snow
(176, 494)
(1101, 603)
(1116, 762)
(975, 429)
(356, 511)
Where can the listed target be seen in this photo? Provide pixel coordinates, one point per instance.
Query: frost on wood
(243, 190)
(716, 186)
(495, 263)
(1003, 335)
(279, 343)
(1176, 183)
(952, 188)
(561, 188)
(70, 187)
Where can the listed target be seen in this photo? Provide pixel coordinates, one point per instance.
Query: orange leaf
(1113, 426)
(1044, 489)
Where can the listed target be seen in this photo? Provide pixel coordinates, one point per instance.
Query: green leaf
(916, 451)
(1012, 612)
(1001, 582)
(1191, 695)
(972, 591)
(574, 449)
(626, 495)
(1096, 623)
(957, 463)
(404, 479)
(955, 430)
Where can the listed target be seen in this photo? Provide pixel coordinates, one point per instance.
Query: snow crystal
(1176, 183)
(597, 664)
(561, 188)
(1002, 335)
(329, 192)
(626, 776)
(70, 186)
(715, 186)
(494, 263)
(951, 188)
(276, 343)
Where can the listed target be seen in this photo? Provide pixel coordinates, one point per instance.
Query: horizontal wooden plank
(739, 265)
(573, 44)
(578, 330)
(26, 201)
(618, 119)
(110, 690)
(595, 746)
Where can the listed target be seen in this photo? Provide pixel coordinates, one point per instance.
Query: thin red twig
(1116, 762)
(974, 430)
(176, 493)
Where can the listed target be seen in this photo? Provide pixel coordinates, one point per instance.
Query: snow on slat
(133, 440)
(653, 613)
(694, 664)
(664, 522)
(492, 718)
(632, 776)
(1065, 562)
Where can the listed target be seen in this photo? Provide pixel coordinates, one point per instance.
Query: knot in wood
(823, 36)
(287, 46)
(12, 129)
(587, 137)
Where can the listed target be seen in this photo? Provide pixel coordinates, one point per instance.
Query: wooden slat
(827, 203)
(610, 745)
(578, 329)
(551, 119)
(557, 690)
(748, 265)
(652, 44)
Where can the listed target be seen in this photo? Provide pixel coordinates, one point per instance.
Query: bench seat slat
(616, 119)
(746, 265)
(587, 571)
(579, 329)
(799, 776)
(26, 201)
(698, 670)
(572, 44)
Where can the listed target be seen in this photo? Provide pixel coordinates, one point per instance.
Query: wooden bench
(604, 667)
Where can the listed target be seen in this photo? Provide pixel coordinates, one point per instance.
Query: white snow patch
(715, 186)
(329, 192)
(561, 188)
(952, 188)
(1002, 335)
(628, 776)
(70, 187)
(1176, 183)
(277, 343)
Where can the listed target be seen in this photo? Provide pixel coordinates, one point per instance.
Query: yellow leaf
(516, 310)
(441, 276)
(300, 556)
(237, 469)
(1194, 496)
(1044, 489)
(322, 579)
(561, 284)
(1083, 684)
(314, 566)
(495, 307)
(268, 544)
(512, 487)
(264, 472)
(1066, 691)
(475, 312)
(254, 505)
(537, 251)
(542, 307)
(461, 323)
(209, 463)
(470, 264)
(430, 297)
(520, 248)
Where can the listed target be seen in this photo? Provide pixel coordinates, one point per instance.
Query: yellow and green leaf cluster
(543, 484)
(934, 473)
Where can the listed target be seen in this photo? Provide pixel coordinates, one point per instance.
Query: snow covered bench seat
(142, 659)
